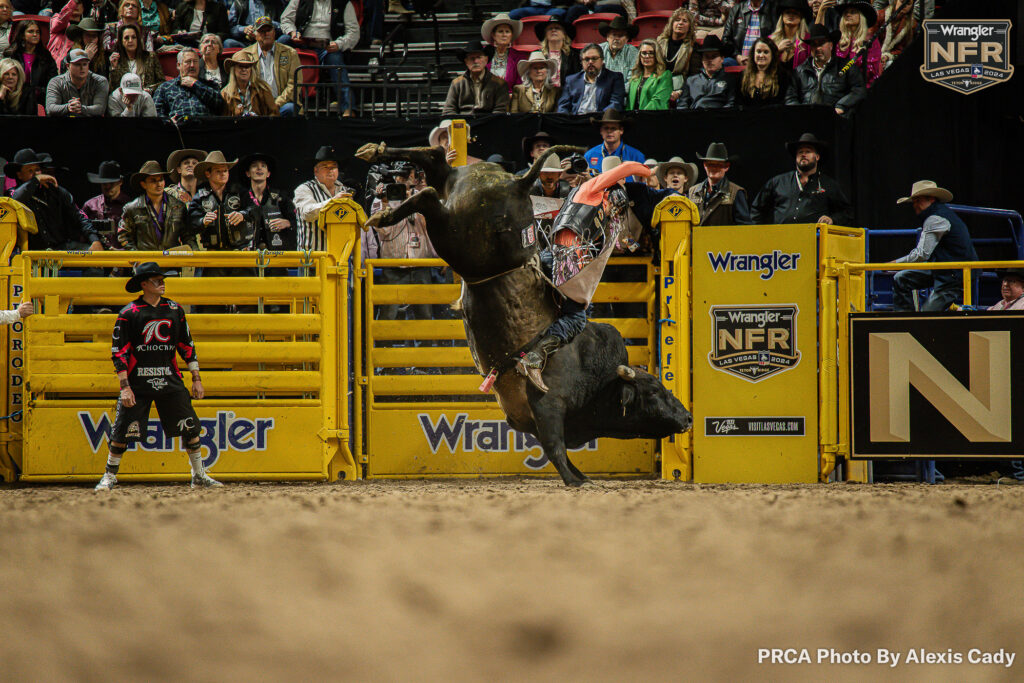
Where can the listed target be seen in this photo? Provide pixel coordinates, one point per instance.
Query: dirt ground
(505, 580)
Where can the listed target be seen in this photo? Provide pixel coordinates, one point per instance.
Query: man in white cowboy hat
(181, 169)
(215, 212)
(619, 55)
(944, 238)
(550, 183)
(806, 195)
(719, 200)
(612, 126)
(676, 174)
(477, 91)
(155, 220)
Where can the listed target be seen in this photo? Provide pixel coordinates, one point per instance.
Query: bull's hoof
(369, 151)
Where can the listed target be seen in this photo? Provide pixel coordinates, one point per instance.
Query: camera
(577, 164)
(396, 192)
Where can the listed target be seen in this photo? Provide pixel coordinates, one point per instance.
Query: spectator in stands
(535, 145)
(855, 41)
(6, 25)
(78, 92)
(129, 13)
(764, 81)
(711, 87)
(535, 94)
(277, 65)
(650, 84)
(312, 195)
(156, 18)
(618, 54)
(556, 44)
(923, 9)
(719, 200)
(438, 137)
(243, 16)
(16, 98)
(791, 29)
(246, 94)
(186, 96)
(61, 225)
(60, 43)
(195, 18)
(540, 8)
(39, 66)
(677, 44)
(594, 89)
(215, 216)
(268, 210)
(676, 174)
(156, 219)
(709, 16)
(823, 80)
(210, 68)
(477, 90)
(900, 27)
(181, 167)
(550, 183)
(1012, 289)
(499, 33)
(825, 14)
(748, 20)
(612, 125)
(944, 238)
(85, 35)
(585, 7)
(130, 100)
(130, 56)
(109, 204)
(807, 196)
(311, 23)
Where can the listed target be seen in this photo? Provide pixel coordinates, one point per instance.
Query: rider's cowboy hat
(149, 168)
(144, 271)
(717, 152)
(180, 155)
(927, 188)
(109, 172)
(214, 158)
(677, 162)
(26, 157)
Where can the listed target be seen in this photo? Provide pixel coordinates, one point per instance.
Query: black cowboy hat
(1011, 272)
(473, 46)
(149, 168)
(501, 161)
(800, 6)
(713, 43)
(86, 25)
(180, 155)
(542, 28)
(109, 172)
(865, 8)
(717, 152)
(618, 24)
(144, 271)
(327, 153)
(249, 159)
(807, 139)
(612, 116)
(26, 157)
(820, 34)
(536, 137)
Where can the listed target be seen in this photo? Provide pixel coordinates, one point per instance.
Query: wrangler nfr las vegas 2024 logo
(967, 56)
(754, 342)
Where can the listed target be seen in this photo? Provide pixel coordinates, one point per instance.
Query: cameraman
(406, 239)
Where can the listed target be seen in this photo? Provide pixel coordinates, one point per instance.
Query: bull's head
(648, 407)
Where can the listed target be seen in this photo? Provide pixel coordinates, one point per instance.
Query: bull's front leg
(425, 203)
(549, 415)
(430, 159)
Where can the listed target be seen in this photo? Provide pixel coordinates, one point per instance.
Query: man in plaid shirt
(187, 96)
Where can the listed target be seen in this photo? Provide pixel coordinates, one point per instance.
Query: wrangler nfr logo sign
(967, 56)
(754, 342)
(937, 386)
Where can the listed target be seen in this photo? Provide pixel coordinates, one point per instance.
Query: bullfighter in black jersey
(147, 335)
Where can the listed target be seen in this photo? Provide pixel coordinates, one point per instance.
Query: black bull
(475, 216)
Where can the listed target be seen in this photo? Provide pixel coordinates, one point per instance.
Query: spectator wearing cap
(156, 219)
(86, 35)
(1012, 291)
(677, 44)
(186, 96)
(266, 208)
(130, 100)
(540, 8)
(650, 83)
(246, 94)
(331, 28)
(16, 97)
(477, 91)
(790, 34)
(584, 7)
(313, 195)
(719, 200)
(676, 174)
(618, 54)
(499, 33)
(944, 238)
(823, 79)
(536, 94)
(593, 90)
(27, 49)
(747, 21)
(244, 18)
(130, 56)
(533, 146)
(277, 64)
(855, 38)
(181, 169)
(109, 203)
(550, 183)
(215, 215)
(556, 44)
(612, 126)
(803, 196)
(765, 80)
(62, 225)
(711, 87)
(79, 92)
(60, 43)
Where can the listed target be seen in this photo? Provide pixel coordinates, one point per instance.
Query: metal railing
(374, 90)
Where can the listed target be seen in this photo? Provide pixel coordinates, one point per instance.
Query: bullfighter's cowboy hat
(717, 152)
(713, 43)
(535, 58)
(109, 172)
(541, 29)
(865, 8)
(677, 162)
(474, 46)
(179, 156)
(612, 116)
(488, 28)
(144, 271)
(214, 158)
(927, 188)
(799, 6)
(618, 24)
(149, 168)
(807, 139)
(26, 157)
(539, 136)
(820, 34)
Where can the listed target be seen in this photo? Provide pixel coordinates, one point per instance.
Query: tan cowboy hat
(239, 59)
(552, 165)
(214, 158)
(677, 162)
(149, 168)
(608, 163)
(535, 58)
(927, 188)
(179, 156)
(488, 28)
(434, 139)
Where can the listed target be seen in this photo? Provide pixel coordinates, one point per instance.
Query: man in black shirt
(803, 196)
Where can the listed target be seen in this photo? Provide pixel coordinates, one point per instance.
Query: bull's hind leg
(549, 416)
(430, 159)
(425, 203)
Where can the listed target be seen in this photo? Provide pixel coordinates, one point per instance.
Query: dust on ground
(517, 579)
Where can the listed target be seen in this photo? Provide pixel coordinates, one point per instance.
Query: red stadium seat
(169, 63)
(650, 25)
(734, 69)
(44, 26)
(646, 6)
(528, 40)
(308, 58)
(228, 51)
(586, 28)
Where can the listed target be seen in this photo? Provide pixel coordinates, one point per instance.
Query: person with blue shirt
(612, 124)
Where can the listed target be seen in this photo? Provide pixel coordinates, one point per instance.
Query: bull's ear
(628, 396)
(627, 373)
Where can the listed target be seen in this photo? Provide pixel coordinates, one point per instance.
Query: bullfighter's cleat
(108, 482)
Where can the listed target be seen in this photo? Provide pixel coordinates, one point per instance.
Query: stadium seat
(44, 26)
(527, 40)
(647, 6)
(228, 51)
(308, 58)
(586, 29)
(734, 69)
(650, 25)
(169, 63)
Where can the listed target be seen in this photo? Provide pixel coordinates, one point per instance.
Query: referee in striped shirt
(311, 196)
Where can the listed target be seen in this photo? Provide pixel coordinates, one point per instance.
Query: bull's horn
(627, 373)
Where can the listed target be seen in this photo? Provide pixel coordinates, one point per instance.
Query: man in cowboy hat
(747, 21)
(1012, 290)
(276, 63)
(155, 220)
(147, 335)
(181, 167)
(215, 214)
(619, 55)
(806, 195)
(944, 238)
(108, 205)
(676, 174)
(719, 200)
(477, 90)
(267, 209)
(533, 146)
(78, 92)
(550, 183)
(711, 87)
(612, 125)
(187, 96)
(823, 79)
(312, 195)
(593, 90)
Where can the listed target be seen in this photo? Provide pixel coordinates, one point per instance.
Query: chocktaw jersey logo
(754, 342)
(157, 329)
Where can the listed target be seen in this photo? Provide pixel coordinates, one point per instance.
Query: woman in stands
(535, 94)
(676, 44)
(60, 23)
(500, 32)
(210, 69)
(650, 81)
(709, 16)
(27, 49)
(900, 30)
(556, 45)
(856, 18)
(129, 13)
(246, 94)
(765, 79)
(791, 31)
(15, 98)
(130, 56)
(85, 35)
(195, 18)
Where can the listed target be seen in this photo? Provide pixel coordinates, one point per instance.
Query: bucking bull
(476, 216)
